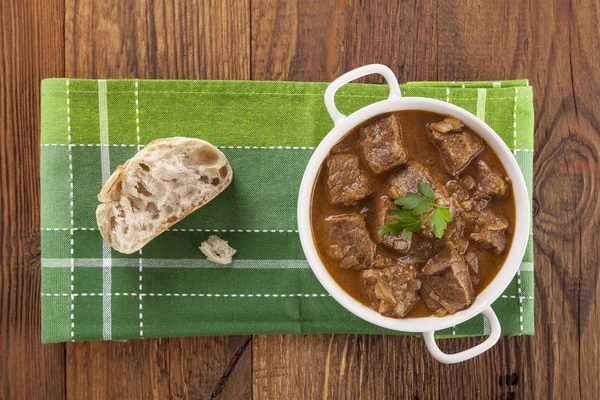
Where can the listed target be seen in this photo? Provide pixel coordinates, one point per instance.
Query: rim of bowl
(517, 248)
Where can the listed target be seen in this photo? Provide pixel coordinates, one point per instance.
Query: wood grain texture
(31, 48)
(317, 41)
(159, 39)
(553, 43)
(566, 186)
(379, 367)
(199, 39)
(180, 368)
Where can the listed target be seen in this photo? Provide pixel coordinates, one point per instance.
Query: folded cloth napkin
(268, 130)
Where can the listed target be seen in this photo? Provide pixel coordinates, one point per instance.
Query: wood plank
(160, 39)
(31, 48)
(566, 166)
(317, 41)
(550, 43)
(471, 33)
(181, 368)
(342, 366)
(376, 367)
(204, 39)
(581, 159)
(566, 187)
(349, 34)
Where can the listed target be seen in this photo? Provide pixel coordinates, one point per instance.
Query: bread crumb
(217, 250)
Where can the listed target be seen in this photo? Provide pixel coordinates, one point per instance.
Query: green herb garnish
(414, 209)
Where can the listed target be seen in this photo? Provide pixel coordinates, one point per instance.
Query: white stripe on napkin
(106, 251)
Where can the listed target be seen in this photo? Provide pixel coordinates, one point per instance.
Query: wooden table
(553, 43)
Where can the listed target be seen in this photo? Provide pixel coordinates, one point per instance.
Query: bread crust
(163, 162)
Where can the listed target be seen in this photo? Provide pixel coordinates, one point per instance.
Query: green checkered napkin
(268, 130)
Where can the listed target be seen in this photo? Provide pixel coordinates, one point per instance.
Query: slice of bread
(217, 250)
(164, 182)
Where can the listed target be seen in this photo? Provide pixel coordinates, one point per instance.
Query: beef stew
(412, 214)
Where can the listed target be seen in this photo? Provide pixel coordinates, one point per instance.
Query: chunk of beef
(381, 144)
(421, 250)
(490, 183)
(461, 189)
(491, 231)
(383, 208)
(349, 241)
(382, 261)
(458, 191)
(473, 263)
(470, 210)
(446, 285)
(468, 182)
(456, 144)
(454, 235)
(407, 180)
(346, 182)
(448, 125)
(393, 291)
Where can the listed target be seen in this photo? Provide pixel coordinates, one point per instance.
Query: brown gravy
(419, 147)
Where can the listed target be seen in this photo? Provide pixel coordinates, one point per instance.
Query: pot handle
(349, 76)
(472, 352)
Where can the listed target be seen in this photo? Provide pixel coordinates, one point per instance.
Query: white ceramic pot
(428, 326)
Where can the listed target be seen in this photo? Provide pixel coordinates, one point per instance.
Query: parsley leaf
(423, 208)
(406, 222)
(411, 221)
(426, 191)
(414, 209)
(439, 220)
(415, 202)
(445, 212)
(390, 228)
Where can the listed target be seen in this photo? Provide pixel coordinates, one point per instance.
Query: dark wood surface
(553, 43)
